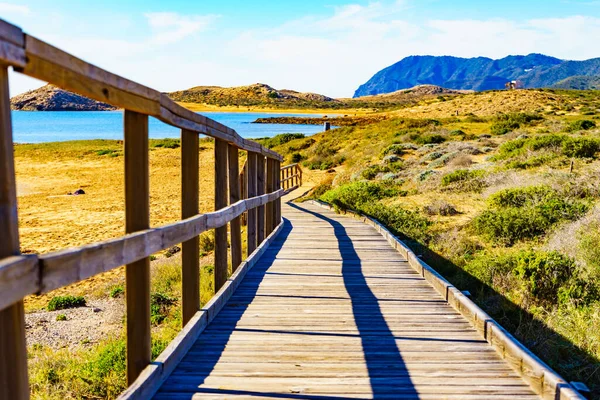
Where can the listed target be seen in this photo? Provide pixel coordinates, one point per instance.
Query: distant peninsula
(52, 98)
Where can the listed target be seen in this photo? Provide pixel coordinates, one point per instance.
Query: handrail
(22, 275)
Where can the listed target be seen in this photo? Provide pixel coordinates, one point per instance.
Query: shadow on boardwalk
(383, 360)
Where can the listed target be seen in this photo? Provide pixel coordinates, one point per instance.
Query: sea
(58, 126)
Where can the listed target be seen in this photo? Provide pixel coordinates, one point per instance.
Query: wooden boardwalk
(331, 311)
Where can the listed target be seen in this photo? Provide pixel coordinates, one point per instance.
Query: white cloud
(169, 27)
(9, 8)
(331, 54)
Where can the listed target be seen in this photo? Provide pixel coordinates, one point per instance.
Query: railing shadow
(381, 353)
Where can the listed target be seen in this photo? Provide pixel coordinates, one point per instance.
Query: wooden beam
(14, 382)
(137, 218)
(260, 190)
(220, 202)
(190, 254)
(251, 185)
(234, 196)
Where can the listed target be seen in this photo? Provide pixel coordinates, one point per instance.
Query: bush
(371, 171)
(167, 143)
(159, 307)
(543, 275)
(117, 291)
(64, 302)
(440, 207)
(280, 139)
(580, 147)
(396, 149)
(353, 195)
(431, 138)
(525, 213)
(460, 175)
(504, 127)
(61, 317)
(581, 125)
(297, 157)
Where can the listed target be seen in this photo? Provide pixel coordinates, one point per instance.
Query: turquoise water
(58, 126)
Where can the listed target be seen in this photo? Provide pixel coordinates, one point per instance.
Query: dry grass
(51, 220)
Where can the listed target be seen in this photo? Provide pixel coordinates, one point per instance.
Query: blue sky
(328, 47)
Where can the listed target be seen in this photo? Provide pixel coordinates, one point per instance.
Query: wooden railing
(23, 275)
(291, 176)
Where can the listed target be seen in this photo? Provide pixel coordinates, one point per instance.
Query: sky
(329, 47)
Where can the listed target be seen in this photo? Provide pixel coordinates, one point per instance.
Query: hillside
(51, 98)
(579, 83)
(258, 94)
(480, 73)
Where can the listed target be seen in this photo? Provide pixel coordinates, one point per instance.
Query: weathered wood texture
(190, 249)
(261, 167)
(235, 226)
(251, 174)
(221, 200)
(137, 218)
(13, 351)
(332, 311)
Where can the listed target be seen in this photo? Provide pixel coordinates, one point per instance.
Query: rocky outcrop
(52, 98)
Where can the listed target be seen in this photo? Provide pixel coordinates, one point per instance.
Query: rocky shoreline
(335, 121)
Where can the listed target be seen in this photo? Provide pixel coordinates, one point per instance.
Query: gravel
(84, 325)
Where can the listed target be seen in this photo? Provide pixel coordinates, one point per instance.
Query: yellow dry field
(211, 107)
(50, 220)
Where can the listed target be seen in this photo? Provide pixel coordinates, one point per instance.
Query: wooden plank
(235, 196)
(190, 196)
(14, 382)
(260, 190)
(221, 199)
(137, 217)
(251, 179)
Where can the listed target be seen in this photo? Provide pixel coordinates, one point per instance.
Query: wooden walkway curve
(332, 311)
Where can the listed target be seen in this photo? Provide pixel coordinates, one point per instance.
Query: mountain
(52, 98)
(480, 73)
(579, 83)
(258, 94)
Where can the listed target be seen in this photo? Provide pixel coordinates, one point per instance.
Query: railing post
(251, 184)
(13, 349)
(260, 190)
(190, 254)
(137, 217)
(269, 208)
(277, 187)
(234, 197)
(221, 201)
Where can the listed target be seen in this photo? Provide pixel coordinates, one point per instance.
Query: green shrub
(542, 274)
(371, 171)
(106, 152)
(297, 157)
(159, 307)
(504, 127)
(430, 138)
(581, 125)
(116, 291)
(420, 123)
(531, 162)
(460, 175)
(354, 194)
(580, 147)
(106, 365)
(280, 139)
(396, 149)
(64, 302)
(61, 317)
(525, 213)
(167, 143)
(320, 190)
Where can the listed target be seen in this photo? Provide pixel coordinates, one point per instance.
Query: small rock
(95, 309)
